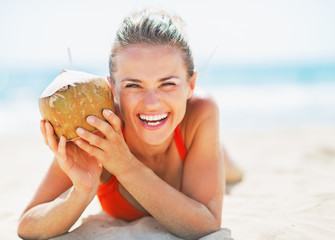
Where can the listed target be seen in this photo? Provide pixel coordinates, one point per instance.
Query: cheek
(179, 96)
(178, 102)
(127, 104)
(183, 97)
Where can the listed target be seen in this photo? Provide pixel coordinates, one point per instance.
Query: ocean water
(248, 97)
(273, 96)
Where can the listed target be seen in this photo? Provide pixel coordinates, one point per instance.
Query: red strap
(124, 134)
(180, 143)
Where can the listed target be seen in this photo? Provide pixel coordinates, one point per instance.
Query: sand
(289, 187)
(288, 191)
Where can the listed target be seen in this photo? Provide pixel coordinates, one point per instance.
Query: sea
(249, 97)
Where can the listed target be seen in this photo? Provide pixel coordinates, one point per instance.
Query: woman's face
(152, 88)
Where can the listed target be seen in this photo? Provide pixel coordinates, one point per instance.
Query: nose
(151, 99)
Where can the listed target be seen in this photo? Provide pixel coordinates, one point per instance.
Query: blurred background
(270, 64)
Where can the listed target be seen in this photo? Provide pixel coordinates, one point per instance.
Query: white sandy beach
(288, 191)
(269, 64)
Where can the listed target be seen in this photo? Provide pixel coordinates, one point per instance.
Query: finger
(51, 138)
(91, 138)
(90, 149)
(113, 119)
(62, 147)
(62, 157)
(99, 124)
(43, 131)
(100, 134)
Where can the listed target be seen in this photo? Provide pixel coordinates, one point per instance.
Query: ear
(109, 81)
(191, 81)
(112, 87)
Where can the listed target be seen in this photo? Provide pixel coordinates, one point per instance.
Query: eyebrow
(168, 78)
(138, 81)
(130, 80)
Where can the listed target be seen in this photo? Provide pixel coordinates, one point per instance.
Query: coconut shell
(71, 98)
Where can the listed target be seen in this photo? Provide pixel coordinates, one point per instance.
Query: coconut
(70, 98)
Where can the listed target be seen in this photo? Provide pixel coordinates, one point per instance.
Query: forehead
(139, 61)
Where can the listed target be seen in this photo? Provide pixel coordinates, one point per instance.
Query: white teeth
(153, 123)
(153, 117)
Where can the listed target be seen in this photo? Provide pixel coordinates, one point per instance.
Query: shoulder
(200, 106)
(202, 112)
(203, 103)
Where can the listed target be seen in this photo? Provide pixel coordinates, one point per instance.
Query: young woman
(158, 155)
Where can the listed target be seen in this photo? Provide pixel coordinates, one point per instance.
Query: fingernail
(80, 131)
(90, 119)
(106, 112)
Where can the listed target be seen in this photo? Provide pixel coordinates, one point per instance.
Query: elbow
(210, 225)
(199, 233)
(203, 228)
(22, 230)
(26, 229)
(209, 229)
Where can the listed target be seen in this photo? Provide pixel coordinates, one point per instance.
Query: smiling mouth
(153, 120)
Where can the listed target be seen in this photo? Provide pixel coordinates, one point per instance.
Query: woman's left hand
(111, 150)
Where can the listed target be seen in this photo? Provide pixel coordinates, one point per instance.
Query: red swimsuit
(112, 201)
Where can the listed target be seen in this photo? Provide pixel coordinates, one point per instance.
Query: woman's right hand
(83, 170)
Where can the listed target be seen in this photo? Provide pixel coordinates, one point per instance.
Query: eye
(168, 84)
(132, 85)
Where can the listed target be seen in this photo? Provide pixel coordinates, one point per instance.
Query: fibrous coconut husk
(70, 98)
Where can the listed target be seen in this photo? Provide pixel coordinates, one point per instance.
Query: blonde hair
(151, 27)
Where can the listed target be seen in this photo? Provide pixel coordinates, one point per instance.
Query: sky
(38, 33)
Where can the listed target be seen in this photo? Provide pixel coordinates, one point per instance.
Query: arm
(196, 211)
(52, 218)
(48, 214)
